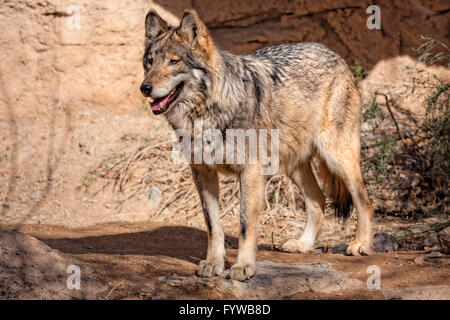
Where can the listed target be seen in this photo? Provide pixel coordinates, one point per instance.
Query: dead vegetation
(151, 168)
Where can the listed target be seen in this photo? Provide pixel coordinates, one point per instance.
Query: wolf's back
(298, 57)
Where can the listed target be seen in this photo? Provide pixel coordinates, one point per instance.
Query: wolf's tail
(336, 190)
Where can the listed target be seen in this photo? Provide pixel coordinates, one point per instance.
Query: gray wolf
(304, 90)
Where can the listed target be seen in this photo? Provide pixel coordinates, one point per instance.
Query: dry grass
(131, 174)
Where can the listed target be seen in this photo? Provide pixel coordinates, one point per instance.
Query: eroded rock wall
(46, 62)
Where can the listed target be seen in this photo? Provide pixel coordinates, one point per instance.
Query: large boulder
(273, 280)
(29, 269)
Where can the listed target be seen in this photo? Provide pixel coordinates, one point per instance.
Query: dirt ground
(51, 188)
(129, 258)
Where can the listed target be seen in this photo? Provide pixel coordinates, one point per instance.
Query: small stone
(154, 194)
(431, 241)
(321, 250)
(444, 240)
(395, 256)
(384, 242)
(230, 245)
(431, 249)
(340, 248)
(416, 230)
(435, 254)
(367, 126)
(35, 194)
(419, 260)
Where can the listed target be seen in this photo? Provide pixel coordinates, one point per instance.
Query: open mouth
(161, 105)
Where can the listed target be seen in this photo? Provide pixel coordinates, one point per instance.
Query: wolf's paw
(294, 245)
(209, 268)
(241, 272)
(358, 247)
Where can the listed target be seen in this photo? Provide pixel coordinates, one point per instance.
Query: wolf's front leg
(207, 183)
(252, 189)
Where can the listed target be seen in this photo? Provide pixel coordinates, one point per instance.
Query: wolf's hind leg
(363, 242)
(314, 202)
(346, 166)
(207, 183)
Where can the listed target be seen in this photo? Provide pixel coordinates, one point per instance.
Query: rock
(418, 293)
(273, 280)
(340, 248)
(384, 242)
(435, 254)
(444, 240)
(419, 260)
(431, 241)
(154, 194)
(234, 245)
(391, 74)
(368, 126)
(431, 249)
(29, 269)
(321, 250)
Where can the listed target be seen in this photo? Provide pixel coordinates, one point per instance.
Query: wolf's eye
(150, 61)
(174, 61)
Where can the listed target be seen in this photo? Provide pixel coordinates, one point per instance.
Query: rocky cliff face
(47, 59)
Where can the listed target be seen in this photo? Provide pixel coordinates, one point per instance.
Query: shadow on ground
(178, 242)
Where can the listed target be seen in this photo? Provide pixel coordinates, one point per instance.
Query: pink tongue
(155, 104)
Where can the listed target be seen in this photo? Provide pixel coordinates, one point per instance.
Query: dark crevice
(57, 14)
(227, 24)
(438, 13)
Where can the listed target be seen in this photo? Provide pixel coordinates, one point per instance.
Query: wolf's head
(176, 62)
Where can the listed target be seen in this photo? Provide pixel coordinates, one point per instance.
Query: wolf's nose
(146, 89)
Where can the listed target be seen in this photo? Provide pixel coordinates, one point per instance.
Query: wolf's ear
(192, 29)
(154, 26)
